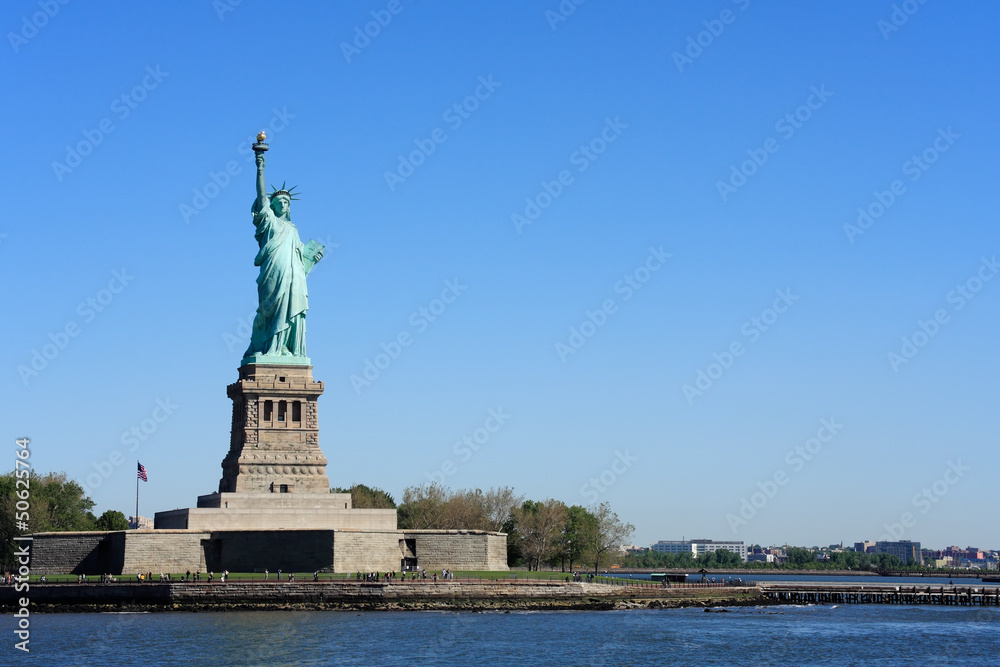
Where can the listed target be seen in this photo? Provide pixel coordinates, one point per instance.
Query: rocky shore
(457, 595)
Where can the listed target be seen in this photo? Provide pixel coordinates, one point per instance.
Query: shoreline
(456, 595)
(452, 606)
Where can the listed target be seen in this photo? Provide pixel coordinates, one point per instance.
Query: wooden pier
(818, 593)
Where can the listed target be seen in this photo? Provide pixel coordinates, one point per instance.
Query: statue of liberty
(279, 327)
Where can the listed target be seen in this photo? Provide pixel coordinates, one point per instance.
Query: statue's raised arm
(261, 186)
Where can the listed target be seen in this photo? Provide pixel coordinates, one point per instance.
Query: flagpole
(137, 495)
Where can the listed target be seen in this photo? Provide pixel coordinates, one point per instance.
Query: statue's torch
(260, 146)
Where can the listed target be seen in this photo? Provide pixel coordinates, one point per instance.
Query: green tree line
(54, 503)
(798, 558)
(539, 532)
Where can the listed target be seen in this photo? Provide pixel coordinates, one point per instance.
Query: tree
(707, 560)
(720, 558)
(577, 535)
(681, 560)
(111, 520)
(888, 562)
(799, 557)
(367, 497)
(515, 550)
(465, 509)
(56, 504)
(609, 534)
(435, 506)
(423, 506)
(499, 505)
(650, 558)
(540, 525)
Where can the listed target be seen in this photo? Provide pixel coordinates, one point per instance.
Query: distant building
(699, 547)
(968, 553)
(673, 547)
(905, 550)
(709, 546)
(762, 558)
(140, 522)
(779, 554)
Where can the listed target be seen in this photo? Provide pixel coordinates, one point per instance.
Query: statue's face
(280, 205)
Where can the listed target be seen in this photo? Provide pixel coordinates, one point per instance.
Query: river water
(846, 634)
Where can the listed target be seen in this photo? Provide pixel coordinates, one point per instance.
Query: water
(847, 634)
(827, 578)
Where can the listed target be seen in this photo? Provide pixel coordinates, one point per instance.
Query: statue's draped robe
(279, 327)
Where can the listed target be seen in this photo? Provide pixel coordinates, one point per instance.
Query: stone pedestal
(274, 442)
(274, 475)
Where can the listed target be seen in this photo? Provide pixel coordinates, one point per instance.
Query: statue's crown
(290, 193)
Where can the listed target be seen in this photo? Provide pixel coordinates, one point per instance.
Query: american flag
(142, 473)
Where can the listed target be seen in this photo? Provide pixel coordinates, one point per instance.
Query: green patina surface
(279, 327)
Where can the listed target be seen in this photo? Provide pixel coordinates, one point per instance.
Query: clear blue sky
(100, 183)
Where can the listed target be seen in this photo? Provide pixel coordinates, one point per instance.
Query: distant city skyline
(905, 550)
